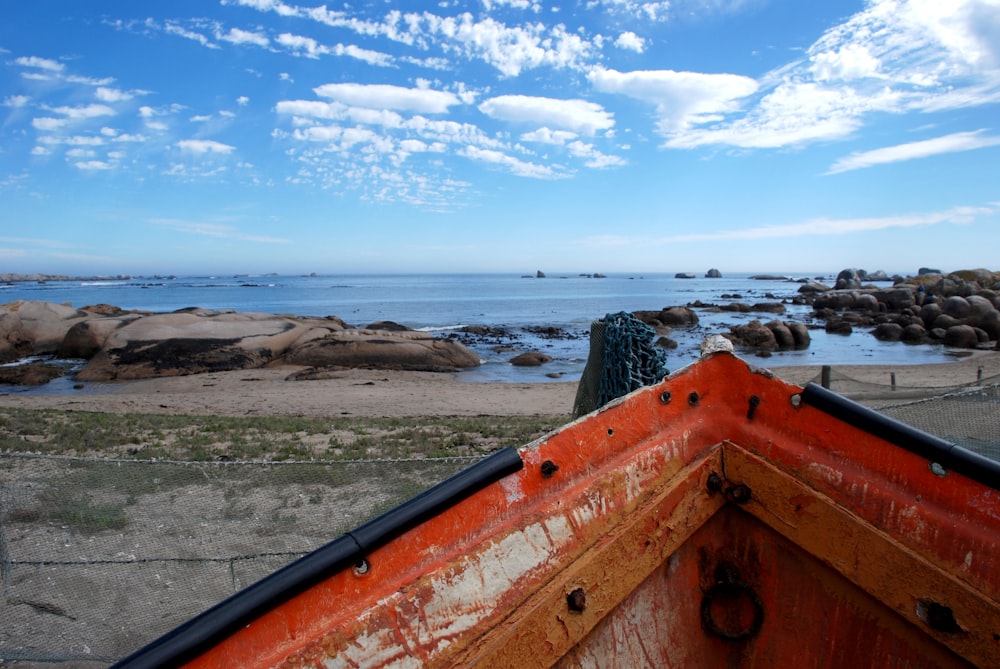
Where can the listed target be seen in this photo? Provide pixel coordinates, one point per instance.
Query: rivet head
(714, 483)
(693, 399)
(549, 468)
(576, 600)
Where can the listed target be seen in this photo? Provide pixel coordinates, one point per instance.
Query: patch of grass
(206, 438)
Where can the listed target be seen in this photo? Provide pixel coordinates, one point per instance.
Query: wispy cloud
(891, 57)
(827, 227)
(216, 230)
(954, 143)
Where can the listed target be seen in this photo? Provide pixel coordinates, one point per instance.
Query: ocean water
(520, 305)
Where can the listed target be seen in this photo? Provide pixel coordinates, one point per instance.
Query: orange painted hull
(720, 519)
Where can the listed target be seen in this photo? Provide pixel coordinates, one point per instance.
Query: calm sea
(521, 304)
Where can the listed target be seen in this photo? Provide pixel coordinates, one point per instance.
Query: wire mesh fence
(967, 415)
(99, 557)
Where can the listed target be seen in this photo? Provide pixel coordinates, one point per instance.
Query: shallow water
(443, 303)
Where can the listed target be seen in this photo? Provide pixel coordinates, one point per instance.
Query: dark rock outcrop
(530, 359)
(918, 309)
(668, 316)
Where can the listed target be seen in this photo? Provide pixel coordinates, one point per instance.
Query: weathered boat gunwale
(950, 456)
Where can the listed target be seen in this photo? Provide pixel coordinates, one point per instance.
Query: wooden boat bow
(720, 518)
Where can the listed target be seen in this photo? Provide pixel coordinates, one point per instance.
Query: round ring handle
(732, 591)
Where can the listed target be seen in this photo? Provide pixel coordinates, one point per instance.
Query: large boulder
(961, 336)
(889, 332)
(848, 279)
(783, 336)
(914, 333)
(86, 338)
(668, 316)
(957, 307)
(194, 341)
(800, 334)
(14, 342)
(530, 359)
(42, 324)
(990, 323)
(753, 335)
(408, 350)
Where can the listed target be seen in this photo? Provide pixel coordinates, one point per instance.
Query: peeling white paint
(826, 472)
(512, 489)
(460, 600)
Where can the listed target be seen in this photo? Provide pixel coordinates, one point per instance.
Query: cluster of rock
(120, 345)
(960, 309)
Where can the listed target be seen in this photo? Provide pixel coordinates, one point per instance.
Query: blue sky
(251, 136)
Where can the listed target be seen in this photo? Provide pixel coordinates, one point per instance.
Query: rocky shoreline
(960, 310)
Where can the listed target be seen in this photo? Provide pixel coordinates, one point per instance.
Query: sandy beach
(361, 393)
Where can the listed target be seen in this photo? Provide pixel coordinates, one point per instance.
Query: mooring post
(892, 379)
(825, 377)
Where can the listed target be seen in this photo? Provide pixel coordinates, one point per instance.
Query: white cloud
(40, 63)
(176, 29)
(204, 146)
(243, 101)
(682, 99)
(48, 124)
(510, 50)
(92, 165)
(575, 115)
(105, 94)
(385, 96)
(515, 165)
(631, 42)
(238, 36)
(309, 47)
(592, 157)
(954, 143)
(129, 137)
(892, 57)
(16, 101)
(306, 45)
(852, 61)
(658, 10)
(84, 112)
(549, 136)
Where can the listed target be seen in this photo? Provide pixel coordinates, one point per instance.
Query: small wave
(442, 328)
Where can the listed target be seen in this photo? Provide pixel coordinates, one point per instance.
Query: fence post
(825, 377)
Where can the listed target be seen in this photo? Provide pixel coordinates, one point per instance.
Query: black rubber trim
(212, 626)
(948, 455)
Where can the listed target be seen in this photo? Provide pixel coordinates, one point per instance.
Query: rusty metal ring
(733, 589)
